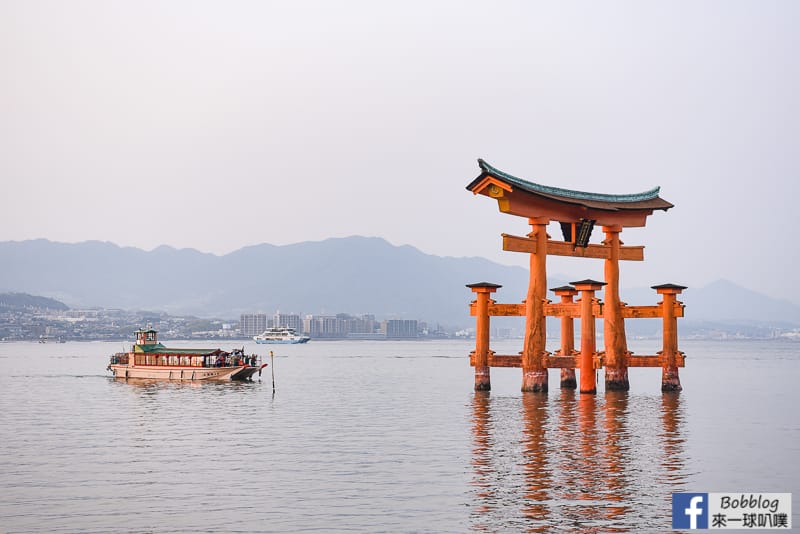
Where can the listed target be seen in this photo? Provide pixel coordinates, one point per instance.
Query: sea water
(382, 436)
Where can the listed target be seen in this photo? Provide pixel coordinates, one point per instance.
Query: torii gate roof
(528, 199)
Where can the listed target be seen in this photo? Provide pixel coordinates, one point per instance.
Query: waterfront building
(339, 326)
(253, 324)
(400, 328)
(281, 320)
(323, 326)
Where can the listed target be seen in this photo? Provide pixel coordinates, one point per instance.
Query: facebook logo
(689, 510)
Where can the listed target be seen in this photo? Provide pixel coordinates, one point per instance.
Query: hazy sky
(217, 125)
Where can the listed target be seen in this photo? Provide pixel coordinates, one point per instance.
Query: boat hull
(216, 374)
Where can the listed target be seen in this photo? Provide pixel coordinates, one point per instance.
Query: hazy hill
(725, 302)
(23, 301)
(353, 275)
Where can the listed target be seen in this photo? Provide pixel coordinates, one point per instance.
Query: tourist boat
(282, 335)
(150, 359)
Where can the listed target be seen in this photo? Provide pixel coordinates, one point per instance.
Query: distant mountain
(725, 302)
(23, 301)
(352, 275)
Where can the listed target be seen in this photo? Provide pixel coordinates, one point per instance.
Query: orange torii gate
(578, 213)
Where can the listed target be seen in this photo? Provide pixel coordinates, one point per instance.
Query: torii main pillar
(534, 367)
(616, 345)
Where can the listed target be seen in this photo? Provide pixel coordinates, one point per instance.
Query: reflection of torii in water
(580, 462)
(578, 213)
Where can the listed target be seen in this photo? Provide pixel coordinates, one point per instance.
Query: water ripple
(574, 463)
(379, 437)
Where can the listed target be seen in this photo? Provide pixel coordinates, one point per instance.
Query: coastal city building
(24, 317)
(342, 325)
(252, 324)
(400, 328)
(287, 320)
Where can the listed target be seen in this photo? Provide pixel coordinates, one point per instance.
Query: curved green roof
(651, 194)
(158, 348)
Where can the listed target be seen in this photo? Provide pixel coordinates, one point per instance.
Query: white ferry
(280, 335)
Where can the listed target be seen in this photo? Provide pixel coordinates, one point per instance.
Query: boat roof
(158, 348)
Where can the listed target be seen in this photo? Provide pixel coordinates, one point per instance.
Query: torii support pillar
(616, 346)
(534, 367)
(587, 289)
(567, 293)
(482, 291)
(670, 381)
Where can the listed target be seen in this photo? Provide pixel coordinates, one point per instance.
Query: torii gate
(577, 212)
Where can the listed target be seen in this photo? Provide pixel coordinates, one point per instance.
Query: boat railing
(252, 360)
(239, 360)
(119, 358)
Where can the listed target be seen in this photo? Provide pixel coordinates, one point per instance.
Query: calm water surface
(385, 437)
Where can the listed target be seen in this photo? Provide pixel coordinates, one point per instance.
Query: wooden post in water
(482, 291)
(272, 369)
(670, 381)
(567, 293)
(534, 367)
(587, 289)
